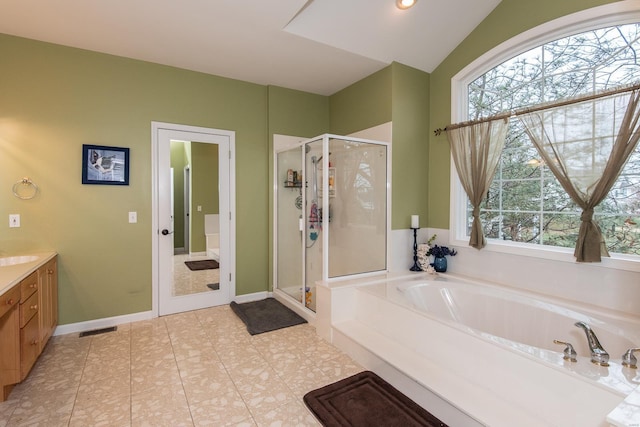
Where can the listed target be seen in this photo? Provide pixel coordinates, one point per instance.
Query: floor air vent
(98, 331)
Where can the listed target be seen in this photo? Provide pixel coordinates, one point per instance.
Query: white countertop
(11, 275)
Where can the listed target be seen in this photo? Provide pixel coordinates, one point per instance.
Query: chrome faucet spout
(598, 354)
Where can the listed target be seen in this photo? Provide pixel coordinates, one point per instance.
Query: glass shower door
(357, 185)
(313, 253)
(289, 214)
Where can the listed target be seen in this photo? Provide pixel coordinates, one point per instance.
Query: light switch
(14, 220)
(199, 208)
(133, 217)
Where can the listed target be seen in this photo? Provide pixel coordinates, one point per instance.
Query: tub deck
(465, 378)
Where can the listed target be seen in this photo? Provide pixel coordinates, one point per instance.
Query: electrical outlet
(133, 217)
(14, 220)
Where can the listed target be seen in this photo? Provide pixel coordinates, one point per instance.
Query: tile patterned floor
(199, 368)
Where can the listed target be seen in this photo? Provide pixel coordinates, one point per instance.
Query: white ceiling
(318, 46)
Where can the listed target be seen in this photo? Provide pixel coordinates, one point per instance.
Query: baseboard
(298, 308)
(252, 297)
(106, 322)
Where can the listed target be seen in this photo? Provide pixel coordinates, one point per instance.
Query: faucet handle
(629, 360)
(569, 352)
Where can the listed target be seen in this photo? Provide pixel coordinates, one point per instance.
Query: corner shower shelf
(332, 182)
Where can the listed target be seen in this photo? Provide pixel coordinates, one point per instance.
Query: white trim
(295, 306)
(617, 13)
(106, 322)
(256, 296)
(156, 127)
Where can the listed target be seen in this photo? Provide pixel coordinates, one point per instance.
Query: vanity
(28, 314)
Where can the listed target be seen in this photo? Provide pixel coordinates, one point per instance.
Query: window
(525, 203)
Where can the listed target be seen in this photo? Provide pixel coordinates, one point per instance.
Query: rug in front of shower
(204, 264)
(365, 399)
(265, 315)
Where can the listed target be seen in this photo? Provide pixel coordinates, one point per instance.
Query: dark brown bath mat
(365, 400)
(205, 264)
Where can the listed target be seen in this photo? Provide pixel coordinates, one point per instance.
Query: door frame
(155, 188)
(186, 209)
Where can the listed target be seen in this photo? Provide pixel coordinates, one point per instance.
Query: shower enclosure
(332, 216)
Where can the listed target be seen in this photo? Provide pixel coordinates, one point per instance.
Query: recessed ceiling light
(405, 4)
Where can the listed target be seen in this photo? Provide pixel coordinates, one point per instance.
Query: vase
(440, 264)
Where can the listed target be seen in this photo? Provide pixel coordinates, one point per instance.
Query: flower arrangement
(439, 251)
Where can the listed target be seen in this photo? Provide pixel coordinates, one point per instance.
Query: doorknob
(165, 232)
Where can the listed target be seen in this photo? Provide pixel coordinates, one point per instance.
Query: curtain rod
(546, 106)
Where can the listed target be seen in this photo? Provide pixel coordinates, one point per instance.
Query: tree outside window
(525, 202)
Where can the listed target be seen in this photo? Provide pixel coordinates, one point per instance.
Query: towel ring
(25, 182)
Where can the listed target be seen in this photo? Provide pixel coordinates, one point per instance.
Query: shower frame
(324, 190)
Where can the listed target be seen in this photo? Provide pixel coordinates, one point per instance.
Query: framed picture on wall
(105, 165)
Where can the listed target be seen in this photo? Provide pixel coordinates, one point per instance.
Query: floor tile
(160, 407)
(292, 413)
(114, 411)
(198, 368)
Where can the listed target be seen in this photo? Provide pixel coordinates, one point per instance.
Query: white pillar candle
(415, 221)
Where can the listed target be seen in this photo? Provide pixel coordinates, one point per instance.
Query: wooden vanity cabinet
(48, 297)
(9, 341)
(29, 324)
(28, 317)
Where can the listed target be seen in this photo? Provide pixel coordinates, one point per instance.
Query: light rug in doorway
(205, 264)
(265, 315)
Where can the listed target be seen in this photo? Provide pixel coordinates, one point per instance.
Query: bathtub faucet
(598, 354)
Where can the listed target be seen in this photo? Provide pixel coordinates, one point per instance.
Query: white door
(165, 299)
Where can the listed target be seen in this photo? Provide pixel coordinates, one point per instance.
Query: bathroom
(88, 225)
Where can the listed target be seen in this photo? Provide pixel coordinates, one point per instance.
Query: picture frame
(105, 165)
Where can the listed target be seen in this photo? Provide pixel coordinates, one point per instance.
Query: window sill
(615, 261)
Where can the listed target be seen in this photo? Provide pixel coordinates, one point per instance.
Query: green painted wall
(509, 18)
(410, 112)
(204, 190)
(53, 99)
(295, 113)
(292, 112)
(400, 94)
(362, 105)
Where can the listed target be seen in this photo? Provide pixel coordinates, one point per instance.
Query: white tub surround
(212, 235)
(481, 354)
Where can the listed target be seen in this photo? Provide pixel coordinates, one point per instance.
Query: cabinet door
(9, 341)
(48, 294)
(29, 345)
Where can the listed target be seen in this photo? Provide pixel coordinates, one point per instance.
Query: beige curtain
(586, 144)
(476, 150)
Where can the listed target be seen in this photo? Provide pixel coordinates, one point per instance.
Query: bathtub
(485, 351)
(212, 235)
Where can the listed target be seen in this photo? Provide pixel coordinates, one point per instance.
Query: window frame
(612, 14)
